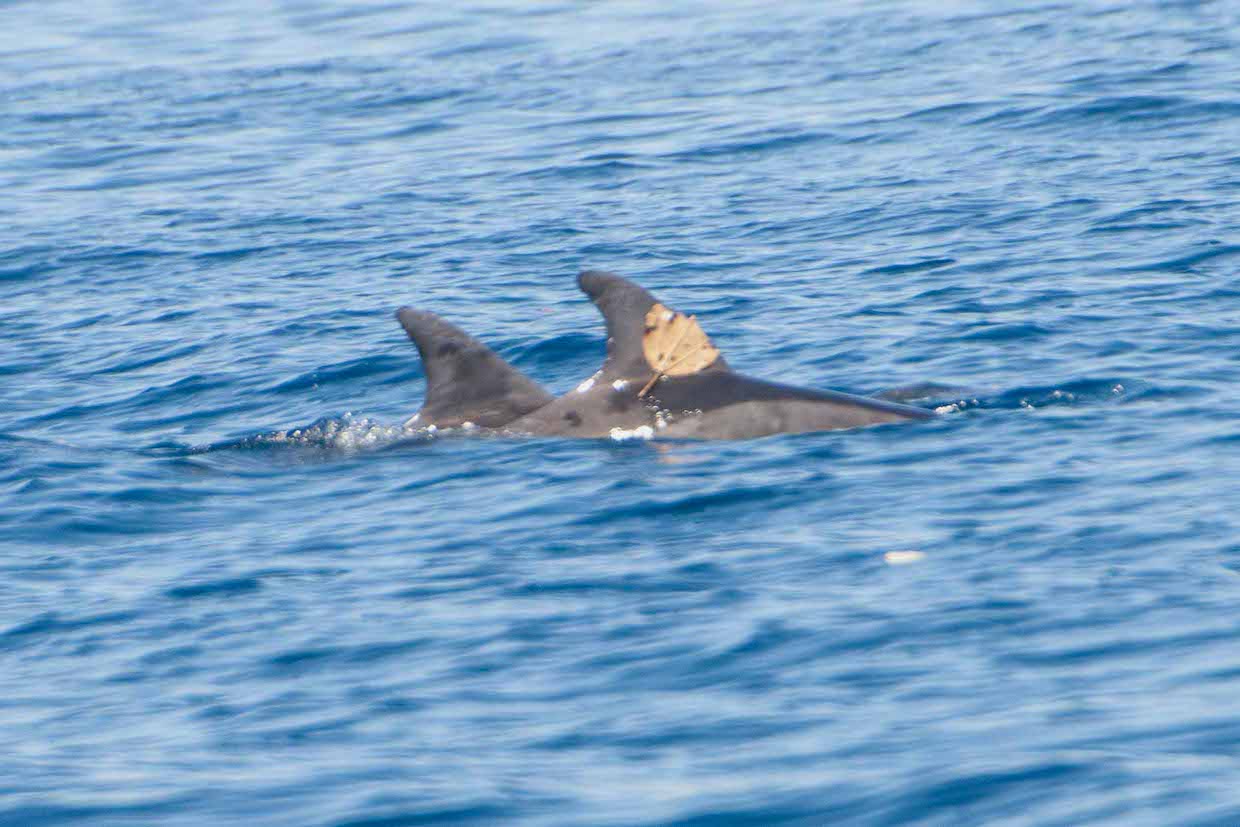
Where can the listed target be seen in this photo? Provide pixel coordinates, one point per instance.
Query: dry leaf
(675, 345)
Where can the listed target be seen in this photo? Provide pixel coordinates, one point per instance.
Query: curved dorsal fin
(624, 306)
(466, 381)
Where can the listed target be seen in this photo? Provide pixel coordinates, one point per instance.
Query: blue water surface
(234, 591)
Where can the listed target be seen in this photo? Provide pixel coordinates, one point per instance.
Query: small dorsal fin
(466, 381)
(624, 306)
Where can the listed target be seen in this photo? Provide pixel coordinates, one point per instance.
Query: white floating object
(903, 558)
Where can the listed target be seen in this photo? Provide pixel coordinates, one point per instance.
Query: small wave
(909, 267)
(225, 587)
(19, 273)
(349, 371)
(1003, 333)
(1188, 261)
(55, 623)
(1138, 111)
(585, 169)
(751, 146)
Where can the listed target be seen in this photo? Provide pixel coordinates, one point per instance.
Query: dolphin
(471, 386)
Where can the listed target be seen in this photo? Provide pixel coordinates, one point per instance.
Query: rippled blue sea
(232, 591)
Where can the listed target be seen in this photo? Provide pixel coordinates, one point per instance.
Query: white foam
(640, 432)
(957, 407)
(585, 386)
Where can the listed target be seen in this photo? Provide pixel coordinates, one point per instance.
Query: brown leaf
(675, 345)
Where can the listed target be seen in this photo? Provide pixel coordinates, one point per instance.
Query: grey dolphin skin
(468, 383)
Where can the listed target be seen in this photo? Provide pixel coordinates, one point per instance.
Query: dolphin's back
(711, 391)
(733, 406)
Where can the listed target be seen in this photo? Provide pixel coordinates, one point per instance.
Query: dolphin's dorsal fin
(624, 306)
(466, 381)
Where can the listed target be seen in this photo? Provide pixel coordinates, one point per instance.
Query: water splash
(346, 434)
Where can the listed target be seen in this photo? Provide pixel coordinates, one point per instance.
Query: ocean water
(234, 590)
